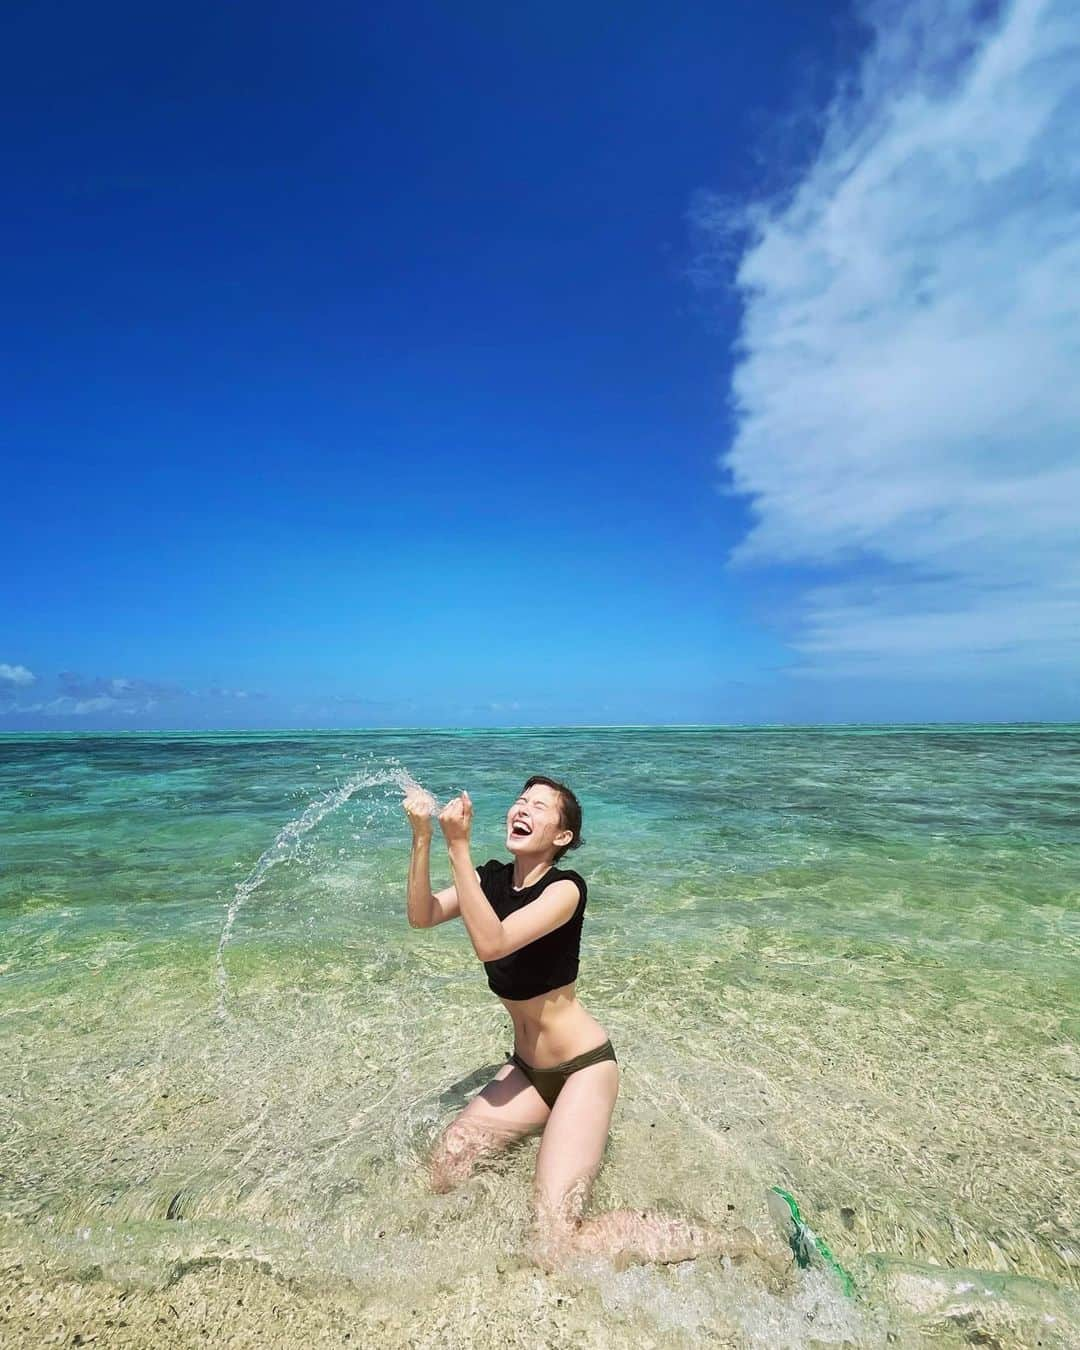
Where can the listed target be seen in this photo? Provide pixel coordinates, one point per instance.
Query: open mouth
(520, 829)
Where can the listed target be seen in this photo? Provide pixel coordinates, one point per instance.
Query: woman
(524, 921)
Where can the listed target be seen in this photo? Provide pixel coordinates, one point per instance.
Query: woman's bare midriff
(553, 1027)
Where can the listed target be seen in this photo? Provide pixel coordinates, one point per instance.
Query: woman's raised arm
(419, 901)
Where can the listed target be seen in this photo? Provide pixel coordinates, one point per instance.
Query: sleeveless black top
(551, 960)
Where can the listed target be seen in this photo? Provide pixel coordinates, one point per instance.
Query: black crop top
(551, 960)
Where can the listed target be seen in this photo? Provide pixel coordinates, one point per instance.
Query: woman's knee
(460, 1146)
(452, 1157)
(557, 1214)
(551, 1240)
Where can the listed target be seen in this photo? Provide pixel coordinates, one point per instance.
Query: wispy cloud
(359, 701)
(15, 675)
(118, 688)
(83, 696)
(64, 706)
(217, 692)
(906, 386)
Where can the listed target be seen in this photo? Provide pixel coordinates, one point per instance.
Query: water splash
(287, 843)
(410, 785)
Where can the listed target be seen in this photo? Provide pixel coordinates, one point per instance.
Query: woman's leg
(507, 1109)
(568, 1161)
(569, 1158)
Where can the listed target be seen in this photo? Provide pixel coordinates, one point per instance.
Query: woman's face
(532, 823)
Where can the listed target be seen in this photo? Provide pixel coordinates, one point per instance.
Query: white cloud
(119, 696)
(907, 387)
(66, 706)
(17, 675)
(79, 696)
(80, 707)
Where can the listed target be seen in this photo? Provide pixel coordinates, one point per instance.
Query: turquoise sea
(843, 961)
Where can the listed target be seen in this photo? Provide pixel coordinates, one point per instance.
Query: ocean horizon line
(132, 732)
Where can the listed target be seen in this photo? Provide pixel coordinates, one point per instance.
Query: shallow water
(839, 961)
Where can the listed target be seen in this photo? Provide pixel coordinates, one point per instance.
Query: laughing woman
(524, 920)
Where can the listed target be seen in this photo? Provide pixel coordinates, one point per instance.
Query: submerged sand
(259, 1181)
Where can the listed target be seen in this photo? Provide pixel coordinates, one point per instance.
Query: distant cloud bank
(118, 696)
(16, 675)
(906, 386)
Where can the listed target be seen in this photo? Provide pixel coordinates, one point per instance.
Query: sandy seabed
(240, 1305)
(300, 1217)
(243, 1304)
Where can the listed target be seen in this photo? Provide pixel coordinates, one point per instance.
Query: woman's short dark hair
(569, 811)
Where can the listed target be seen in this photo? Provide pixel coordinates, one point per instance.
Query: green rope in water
(807, 1248)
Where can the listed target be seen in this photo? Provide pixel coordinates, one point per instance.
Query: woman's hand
(418, 806)
(456, 819)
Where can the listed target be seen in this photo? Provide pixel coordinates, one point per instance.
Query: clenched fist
(418, 806)
(456, 819)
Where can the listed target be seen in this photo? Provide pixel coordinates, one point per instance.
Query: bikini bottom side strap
(594, 1056)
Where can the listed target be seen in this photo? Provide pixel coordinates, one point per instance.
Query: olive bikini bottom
(549, 1082)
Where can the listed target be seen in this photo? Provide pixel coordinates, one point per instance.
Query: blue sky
(421, 364)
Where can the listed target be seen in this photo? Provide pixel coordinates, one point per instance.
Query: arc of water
(286, 844)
